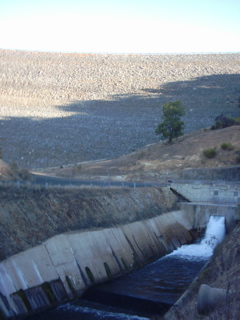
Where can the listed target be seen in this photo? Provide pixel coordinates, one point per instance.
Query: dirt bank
(162, 160)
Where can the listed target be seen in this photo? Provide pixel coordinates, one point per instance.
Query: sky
(124, 26)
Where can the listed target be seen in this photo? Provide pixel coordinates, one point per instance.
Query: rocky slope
(57, 109)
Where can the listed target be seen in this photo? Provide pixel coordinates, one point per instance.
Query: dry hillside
(163, 160)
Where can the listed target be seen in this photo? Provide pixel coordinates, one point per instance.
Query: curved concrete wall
(64, 266)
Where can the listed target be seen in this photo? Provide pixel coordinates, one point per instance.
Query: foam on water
(214, 234)
(77, 311)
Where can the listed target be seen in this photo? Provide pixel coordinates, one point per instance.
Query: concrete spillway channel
(63, 267)
(66, 265)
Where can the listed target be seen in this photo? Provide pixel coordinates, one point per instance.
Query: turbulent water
(214, 234)
(84, 310)
(163, 281)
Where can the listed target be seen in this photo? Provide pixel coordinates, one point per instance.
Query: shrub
(24, 174)
(237, 121)
(210, 153)
(217, 125)
(223, 121)
(238, 159)
(227, 146)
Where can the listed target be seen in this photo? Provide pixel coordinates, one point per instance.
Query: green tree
(172, 126)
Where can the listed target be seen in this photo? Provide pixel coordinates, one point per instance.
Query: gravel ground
(58, 109)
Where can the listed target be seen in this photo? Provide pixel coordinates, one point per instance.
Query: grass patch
(210, 153)
(227, 146)
(237, 121)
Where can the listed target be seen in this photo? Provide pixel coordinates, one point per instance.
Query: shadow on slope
(105, 129)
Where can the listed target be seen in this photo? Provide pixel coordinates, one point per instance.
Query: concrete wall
(198, 213)
(30, 216)
(64, 266)
(209, 192)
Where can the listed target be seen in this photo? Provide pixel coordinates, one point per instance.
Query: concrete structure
(63, 267)
(209, 199)
(202, 212)
(213, 192)
(66, 265)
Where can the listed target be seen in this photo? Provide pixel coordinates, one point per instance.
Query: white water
(90, 311)
(93, 314)
(214, 234)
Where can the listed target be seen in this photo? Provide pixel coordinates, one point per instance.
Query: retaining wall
(30, 216)
(199, 213)
(209, 192)
(63, 267)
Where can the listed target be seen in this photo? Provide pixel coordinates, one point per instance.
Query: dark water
(163, 282)
(85, 310)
